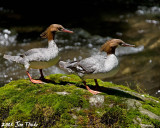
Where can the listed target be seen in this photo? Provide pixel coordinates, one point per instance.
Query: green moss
(61, 78)
(153, 106)
(25, 107)
(149, 121)
(42, 103)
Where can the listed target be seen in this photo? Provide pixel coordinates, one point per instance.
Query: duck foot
(90, 90)
(34, 81)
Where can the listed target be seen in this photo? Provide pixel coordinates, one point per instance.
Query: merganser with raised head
(40, 58)
(98, 66)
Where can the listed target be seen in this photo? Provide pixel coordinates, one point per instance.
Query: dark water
(139, 66)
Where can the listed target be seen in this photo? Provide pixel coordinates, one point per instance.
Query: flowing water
(139, 66)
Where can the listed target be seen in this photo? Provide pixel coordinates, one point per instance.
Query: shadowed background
(94, 22)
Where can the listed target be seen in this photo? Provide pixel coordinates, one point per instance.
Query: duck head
(52, 29)
(110, 46)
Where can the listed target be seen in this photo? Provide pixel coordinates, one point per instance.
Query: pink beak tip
(68, 31)
(128, 45)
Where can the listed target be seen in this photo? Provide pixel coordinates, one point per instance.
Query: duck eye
(59, 29)
(120, 43)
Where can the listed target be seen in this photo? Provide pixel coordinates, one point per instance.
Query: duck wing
(88, 65)
(33, 51)
(37, 54)
(91, 64)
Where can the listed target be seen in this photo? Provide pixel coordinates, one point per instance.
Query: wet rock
(126, 70)
(57, 105)
(96, 100)
(149, 113)
(155, 45)
(146, 126)
(62, 93)
(137, 120)
(132, 103)
(6, 38)
(74, 116)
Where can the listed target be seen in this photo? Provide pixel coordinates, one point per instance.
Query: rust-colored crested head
(112, 44)
(51, 29)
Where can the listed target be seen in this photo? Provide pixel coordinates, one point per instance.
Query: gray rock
(137, 120)
(132, 103)
(149, 113)
(146, 126)
(96, 100)
(62, 93)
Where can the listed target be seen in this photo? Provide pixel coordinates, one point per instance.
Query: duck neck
(112, 51)
(51, 35)
(51, 43)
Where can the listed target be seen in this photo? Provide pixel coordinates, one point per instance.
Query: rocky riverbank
(66, 103)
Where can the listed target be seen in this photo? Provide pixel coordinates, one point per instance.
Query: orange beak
(68, 31)
(127, 45)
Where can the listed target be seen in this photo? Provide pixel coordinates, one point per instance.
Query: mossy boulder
(65, 103)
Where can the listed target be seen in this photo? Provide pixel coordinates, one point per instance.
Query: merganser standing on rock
(97, 66)
(40, 58)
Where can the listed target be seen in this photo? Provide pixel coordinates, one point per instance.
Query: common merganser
(40, 58)
(98, 66)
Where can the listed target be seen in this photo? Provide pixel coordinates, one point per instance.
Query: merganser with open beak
(98, 66)
(40, 58)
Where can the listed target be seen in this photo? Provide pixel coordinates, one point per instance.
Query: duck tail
(13, 58)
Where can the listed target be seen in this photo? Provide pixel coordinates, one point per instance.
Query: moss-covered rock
(66, 103)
